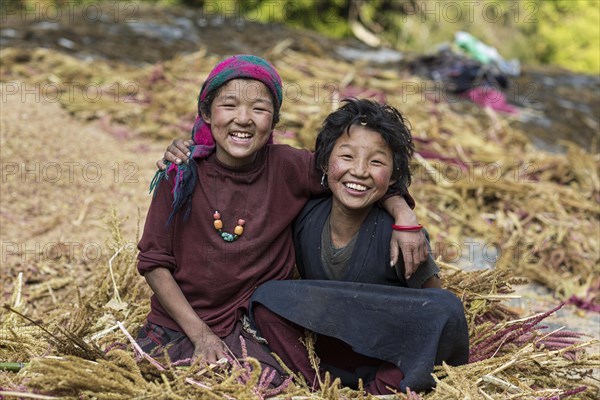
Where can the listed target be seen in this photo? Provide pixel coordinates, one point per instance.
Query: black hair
(204, 106)
(393, 127)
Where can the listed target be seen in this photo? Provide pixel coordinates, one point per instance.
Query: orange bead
(238, 230)
(216, 215)
(218, 224)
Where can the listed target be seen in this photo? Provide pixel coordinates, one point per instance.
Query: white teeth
(241, 135)
(356, 186)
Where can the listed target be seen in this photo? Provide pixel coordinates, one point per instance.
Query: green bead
(228, 237)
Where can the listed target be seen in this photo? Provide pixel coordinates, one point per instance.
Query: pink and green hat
(236, 67)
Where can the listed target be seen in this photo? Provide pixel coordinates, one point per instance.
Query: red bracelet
(407, 228)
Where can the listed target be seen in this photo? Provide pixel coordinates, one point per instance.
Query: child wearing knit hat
(220, 225)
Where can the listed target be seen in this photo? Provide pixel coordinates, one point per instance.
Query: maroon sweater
(218, 277)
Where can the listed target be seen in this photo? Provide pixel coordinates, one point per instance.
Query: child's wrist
(407, 228)
(406, 219)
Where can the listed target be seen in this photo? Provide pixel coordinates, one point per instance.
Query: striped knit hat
(236, 67)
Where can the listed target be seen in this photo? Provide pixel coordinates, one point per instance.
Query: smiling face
(241, 119)
(360, 170)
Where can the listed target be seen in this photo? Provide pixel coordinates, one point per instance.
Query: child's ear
(205, 117)
(392, 182)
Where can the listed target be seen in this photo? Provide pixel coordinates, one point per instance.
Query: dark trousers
(336, 356)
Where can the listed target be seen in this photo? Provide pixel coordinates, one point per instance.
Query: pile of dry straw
(476, 176)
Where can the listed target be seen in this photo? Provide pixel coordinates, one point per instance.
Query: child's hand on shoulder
(178, 152)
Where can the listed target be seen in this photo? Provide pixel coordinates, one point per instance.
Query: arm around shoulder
(297, 166)
(411, 245)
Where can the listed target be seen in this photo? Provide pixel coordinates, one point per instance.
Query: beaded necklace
(218, 223)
